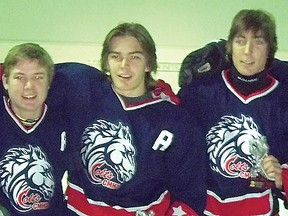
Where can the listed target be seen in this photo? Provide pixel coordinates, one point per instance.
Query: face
(127, 65)
(27, 87)
(249, 53)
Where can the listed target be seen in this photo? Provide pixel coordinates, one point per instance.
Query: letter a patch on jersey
(163, 141)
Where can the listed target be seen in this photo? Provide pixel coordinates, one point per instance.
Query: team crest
(108, 154)
(26, 178)
(228, 146)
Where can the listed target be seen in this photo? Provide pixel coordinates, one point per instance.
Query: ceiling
(172, 23)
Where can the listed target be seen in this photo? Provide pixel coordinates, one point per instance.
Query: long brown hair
(139, 32)
(257, 21)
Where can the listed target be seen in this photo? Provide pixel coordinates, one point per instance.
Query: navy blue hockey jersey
(279, 70)
(230, 120)
(129, 158)
(32, 164)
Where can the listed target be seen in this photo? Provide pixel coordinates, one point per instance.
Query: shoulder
(177, 114)
(279, 70)
(74, 81)
(73, 71)
(201, 85)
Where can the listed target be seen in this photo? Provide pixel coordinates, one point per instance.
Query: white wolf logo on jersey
(228, 146)
(108, 154)
(26, 178)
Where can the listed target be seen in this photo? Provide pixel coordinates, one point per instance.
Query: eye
(259, 41)
(18, 77)
(135, 57)
(39, 77)
(114, 56)
(240, 41)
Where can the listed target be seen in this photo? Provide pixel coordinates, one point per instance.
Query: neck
(133, 100)
(27, 119)
(249, 84)
(137, 92)
(27, 122)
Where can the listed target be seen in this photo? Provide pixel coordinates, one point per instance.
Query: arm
(186, 164)
(210, 58)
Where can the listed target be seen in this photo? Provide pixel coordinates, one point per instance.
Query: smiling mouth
(247, 62)
(29, 96)
(125, 76)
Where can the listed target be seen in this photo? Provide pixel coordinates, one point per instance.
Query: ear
(147, 69)
(4, 82)
(107, 65)
(107, 71)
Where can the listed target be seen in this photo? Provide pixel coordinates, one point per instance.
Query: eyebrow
(130, 53)
(19, 73)
(23, 73)
(259, 36)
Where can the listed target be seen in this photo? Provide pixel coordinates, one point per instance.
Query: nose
(28, 84)
(248, 47)
(124, 62)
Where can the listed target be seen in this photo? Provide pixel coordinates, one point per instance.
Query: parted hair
(29, 51)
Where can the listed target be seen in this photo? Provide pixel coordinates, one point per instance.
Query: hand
(210, 58)
(272, 169)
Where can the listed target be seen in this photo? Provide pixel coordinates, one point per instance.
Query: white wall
(169, 58)
(74, 30)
